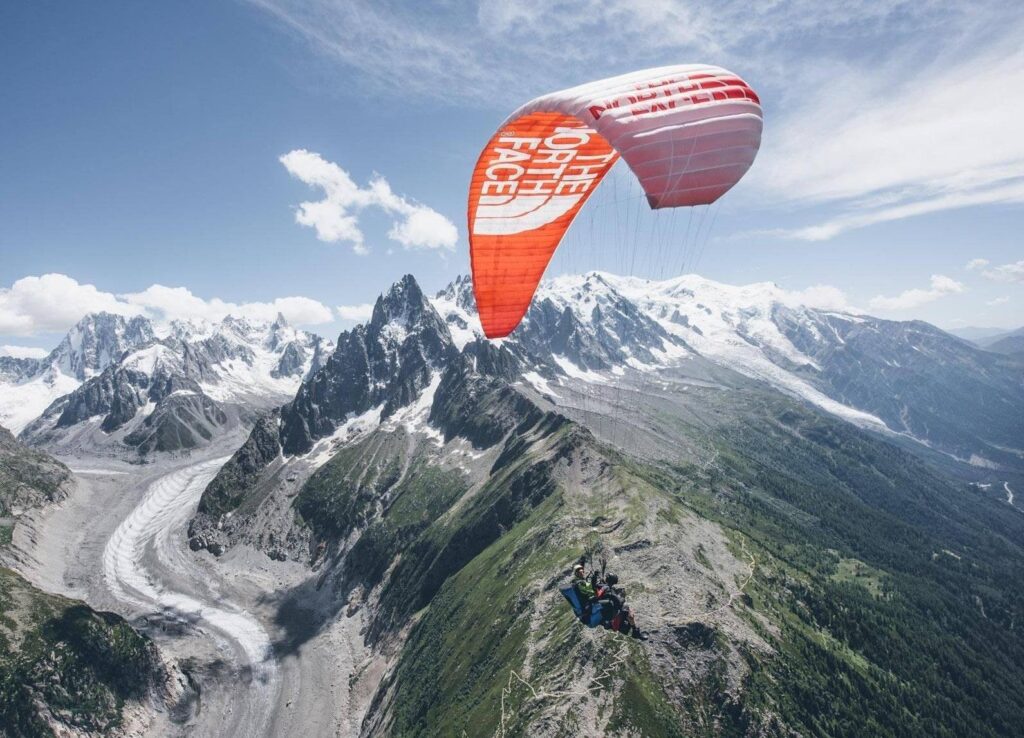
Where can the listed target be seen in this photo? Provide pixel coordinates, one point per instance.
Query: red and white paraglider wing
(689, 133)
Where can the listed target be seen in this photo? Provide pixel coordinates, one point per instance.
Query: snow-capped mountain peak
(238, 360)
(908, 378)
(96, 342)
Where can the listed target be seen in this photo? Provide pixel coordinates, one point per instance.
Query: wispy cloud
(913, 298)
(54, 302)
(997, 301)
(875, 111)
(335, 218)
(1012, 272)
(501, 52)
(860, 217)
(914, 135)
(974, 264)
(23, 352)
(355, 313)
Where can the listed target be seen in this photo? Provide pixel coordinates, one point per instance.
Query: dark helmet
(611, 580)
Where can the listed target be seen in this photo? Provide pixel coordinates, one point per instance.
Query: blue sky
(141, 150)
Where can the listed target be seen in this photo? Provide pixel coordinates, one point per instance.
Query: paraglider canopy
(688, 133)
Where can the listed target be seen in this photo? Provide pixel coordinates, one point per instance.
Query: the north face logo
(530, 182)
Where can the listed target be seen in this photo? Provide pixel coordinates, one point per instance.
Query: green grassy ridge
(82, 665)
(342, 495)
(518, 483)
(458, 660)
(451, 673)
(503, 604)
(424, 496)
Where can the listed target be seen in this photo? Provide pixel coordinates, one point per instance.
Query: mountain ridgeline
(802, 565)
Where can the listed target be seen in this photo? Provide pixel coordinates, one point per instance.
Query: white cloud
(821, 296)
(1012, 272)
(296, 309)
(335, 218)
(54, 302)
(425, 228)
(976, 264)
(355, 313)
(997, 301)
(1012, 193)
(23, 352)
(913, 298)
(178, 303)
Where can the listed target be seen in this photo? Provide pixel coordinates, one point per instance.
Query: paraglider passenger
(586, 587)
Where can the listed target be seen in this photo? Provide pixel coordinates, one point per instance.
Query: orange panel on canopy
(531, 180)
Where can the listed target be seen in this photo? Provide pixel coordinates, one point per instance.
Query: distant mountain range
(1010, 343)
(155, 389)
(595, 348)
(172, 390)
(975, 334)
(999, 340)
(906, 378)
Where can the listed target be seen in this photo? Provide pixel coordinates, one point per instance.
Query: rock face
(28, 386)
(179, 422)
(593, 327)
(97, 341)
(14, 370)
(242, 471)
(28, 478)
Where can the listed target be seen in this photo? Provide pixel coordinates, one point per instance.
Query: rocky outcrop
(181, 421)
(28, 478)
(66, 669)
(241, 472)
